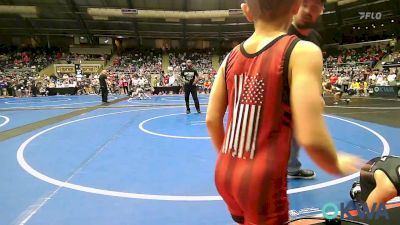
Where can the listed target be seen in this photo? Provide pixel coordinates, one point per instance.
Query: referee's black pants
(104, 94)
(191, 89)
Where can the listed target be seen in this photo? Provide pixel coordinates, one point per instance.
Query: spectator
(125, 85)
(207, 86)
(354, 87)
(392, 78)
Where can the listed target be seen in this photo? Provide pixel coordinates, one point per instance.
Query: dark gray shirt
(189, 75)
(313, 37)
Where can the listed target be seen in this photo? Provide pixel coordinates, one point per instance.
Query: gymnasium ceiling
(70, 17)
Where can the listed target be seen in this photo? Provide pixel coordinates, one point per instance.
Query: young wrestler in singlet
(379, 181)
(262, 83)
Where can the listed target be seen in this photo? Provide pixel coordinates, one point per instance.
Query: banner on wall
(384, 91)
(77, 69)
(65, 69)
(90, 68)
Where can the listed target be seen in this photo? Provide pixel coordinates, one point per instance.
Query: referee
(302, 26)
(103, 86)
(190, 78)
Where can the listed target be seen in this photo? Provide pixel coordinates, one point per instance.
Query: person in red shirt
(125, 85)
(207, 86)
(166, 80)
(333, 79)
(270, 85)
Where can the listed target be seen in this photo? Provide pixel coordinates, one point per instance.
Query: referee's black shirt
(313, 37)
(189, 76)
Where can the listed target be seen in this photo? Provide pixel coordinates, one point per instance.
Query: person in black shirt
(103, 86)
(190, 78)
(306, 19)
(311, 35)
(302, 27)
(34, 89)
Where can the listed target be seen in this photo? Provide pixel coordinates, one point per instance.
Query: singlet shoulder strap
(293, 40)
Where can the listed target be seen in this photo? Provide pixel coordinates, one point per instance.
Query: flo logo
(370, 15)
(377, 212)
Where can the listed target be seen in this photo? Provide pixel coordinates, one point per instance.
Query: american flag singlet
(252, 164)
